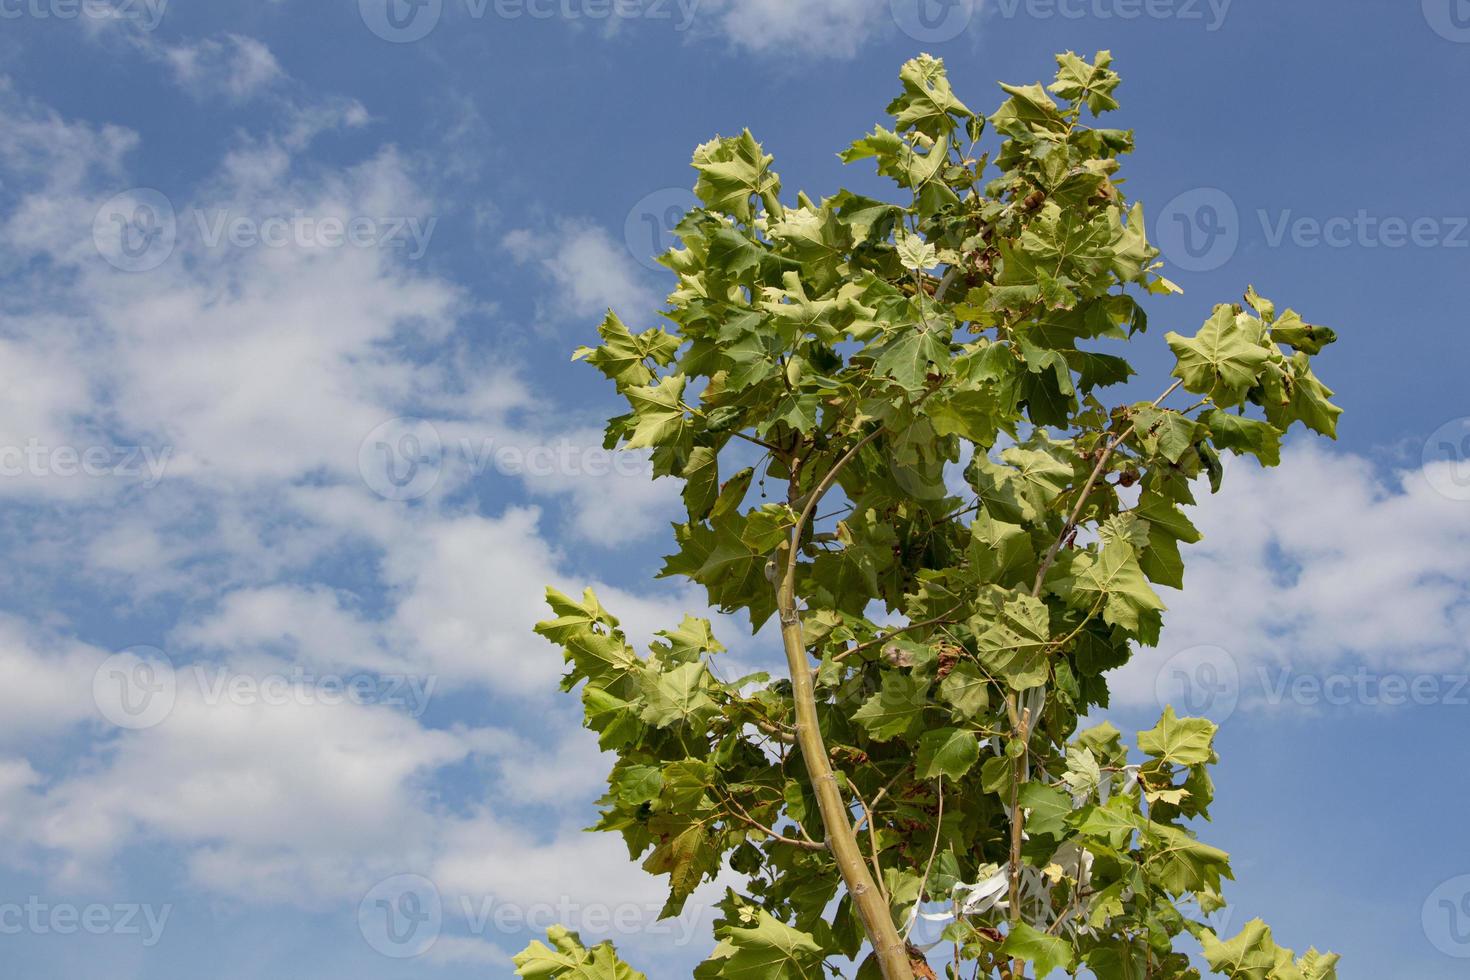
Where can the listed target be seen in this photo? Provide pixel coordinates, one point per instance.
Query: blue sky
(248, 249)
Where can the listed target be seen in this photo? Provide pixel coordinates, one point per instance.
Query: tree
(942, 639)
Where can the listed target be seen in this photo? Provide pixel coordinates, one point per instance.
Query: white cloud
(48, 680)
(469, 589)
(1320, 563)
(232, 65)
(261, 370)
(243, 787)
(835, 28)
(572, 876)
(464, 949)
(310, 626)
(588, 271)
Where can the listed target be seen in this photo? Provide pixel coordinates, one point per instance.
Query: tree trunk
(888, 946)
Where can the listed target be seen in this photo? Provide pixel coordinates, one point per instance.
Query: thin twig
(759, 442)
(924, 882)
(872, 840)
(780, 838)
(896, 631)
(1075, 516)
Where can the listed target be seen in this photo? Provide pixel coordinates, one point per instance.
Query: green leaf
(732, 172)
(1114, 822)
(658, 413)
(1078, 81)
(685, 852)
(1181, 864)
(1049, 808)
(928, 103)
(1083, 775)
(1224, 360)
(1181, 741)
(701, 482)
(1115, 577)
(966, 690)
(1254, 955)
(770, 950)
(817, 239)
(1014, 644)
(1294, 394)
(570, 960)
(590, 640)
(1165, 433)
(916, 254)
(1294, 332)
(1048, 953)
(1029, 108)
(895, 709)
(1119, 960)
(911, 356)
(1244, 436)
(948, 752)
(623, 358)
(678, 694)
